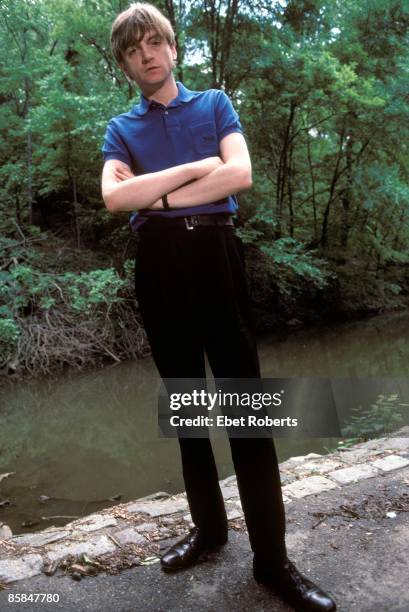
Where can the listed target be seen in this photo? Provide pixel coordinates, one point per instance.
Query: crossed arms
(214, 178)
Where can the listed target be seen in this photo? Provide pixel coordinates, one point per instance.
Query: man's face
(149, 62)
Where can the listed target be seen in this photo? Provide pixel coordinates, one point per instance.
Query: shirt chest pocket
(204, 139)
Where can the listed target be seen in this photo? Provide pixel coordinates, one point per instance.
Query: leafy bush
(9, 334)
(295, 266)
(286, 279)
(49, 319)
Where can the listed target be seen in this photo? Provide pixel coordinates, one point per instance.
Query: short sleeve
(114, 146)
(227, 119)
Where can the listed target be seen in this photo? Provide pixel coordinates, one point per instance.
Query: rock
(40, 538)
(19, 568)
(360, 471)
(169, 520)
(188, 519)
(289, 464)
(50, 568)
(372, 444)
(286, 478)
(147, 527)
(322, 467)
(5, 532)
(234, 513)
(403, 431)
(159, 508)
(229, 492)
(234, 501)
(129, 536)
(357, 454)
(229, 481)
(154, 496)
(164, 532)
(400, 444)
(308, 486)
(98, 545)
(93, 522)
(393, 462)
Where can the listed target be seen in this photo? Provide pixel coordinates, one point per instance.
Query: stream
(80, 439)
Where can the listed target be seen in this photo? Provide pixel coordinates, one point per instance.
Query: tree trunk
(18, 209)
(283, 173)
(347, 195)
(335, 176)
(170, 9)
(220, 28)
(29, 177)
(75, 212)
(314, 203)
(290, 191)
(231, 14)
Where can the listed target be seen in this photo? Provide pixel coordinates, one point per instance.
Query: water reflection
(88, 437)
(361, 349)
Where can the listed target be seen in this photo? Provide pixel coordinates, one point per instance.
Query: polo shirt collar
(184, 95)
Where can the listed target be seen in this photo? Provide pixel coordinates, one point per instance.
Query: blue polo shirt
(153, 137)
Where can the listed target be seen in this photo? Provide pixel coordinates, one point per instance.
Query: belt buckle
(189, 223)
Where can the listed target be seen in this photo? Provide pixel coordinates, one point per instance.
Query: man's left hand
(122, 174)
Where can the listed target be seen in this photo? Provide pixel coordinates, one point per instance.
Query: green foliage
(25, 287)
(9, 334)
(89, 290)
(293, 263)
(284, 264)
(384, 416)
(321, 89)
(376, 294)
(49, 318)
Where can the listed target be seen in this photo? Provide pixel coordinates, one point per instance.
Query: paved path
(351, 538)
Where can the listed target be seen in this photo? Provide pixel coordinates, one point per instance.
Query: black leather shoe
(187, 551)
(294, 588)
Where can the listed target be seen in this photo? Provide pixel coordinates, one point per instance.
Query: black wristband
(165, 202)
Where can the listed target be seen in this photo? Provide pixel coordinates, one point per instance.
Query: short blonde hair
(131, 26)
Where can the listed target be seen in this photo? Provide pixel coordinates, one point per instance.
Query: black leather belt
(201, 220)
(193, 221)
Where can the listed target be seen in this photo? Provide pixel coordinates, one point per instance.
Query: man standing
(174, 161)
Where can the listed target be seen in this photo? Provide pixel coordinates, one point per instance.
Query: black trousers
(193, 296)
